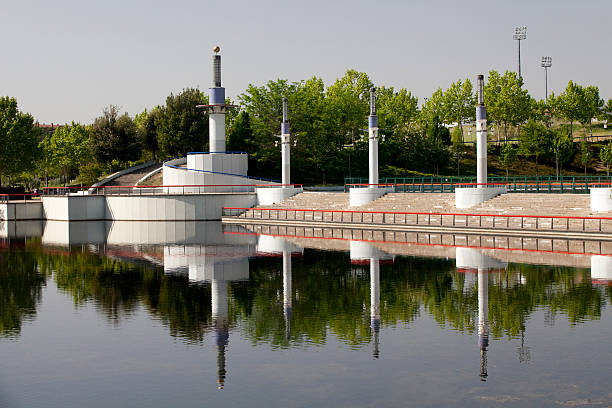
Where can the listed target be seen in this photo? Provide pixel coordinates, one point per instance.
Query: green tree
(585, 155)
(146, 125)
(18, 140)
(114, 137)
(535, 140)
(570, 104)
(459, 102)
(605, 155)
(508, 156)
(181, 127)
(507, 102)
(457, 145)
(69, 147)
(592, 108)
(563, 147)
(241, 134)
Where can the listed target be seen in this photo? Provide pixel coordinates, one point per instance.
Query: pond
(202, 314)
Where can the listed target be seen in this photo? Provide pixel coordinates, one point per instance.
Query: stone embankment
(574, 205)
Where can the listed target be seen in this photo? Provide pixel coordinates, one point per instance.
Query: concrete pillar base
(273, 195)
(601, 199)
(361, 196)
(469, 197)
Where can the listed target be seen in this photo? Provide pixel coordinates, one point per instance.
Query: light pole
(520, 33)
(546, 63)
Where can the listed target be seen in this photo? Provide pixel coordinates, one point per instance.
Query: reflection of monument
(362, 253)
(270, 245)
(468, 258)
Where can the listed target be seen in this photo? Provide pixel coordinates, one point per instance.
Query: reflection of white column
(221, 325)
(375, 302)
(287, 294)
(483, 319)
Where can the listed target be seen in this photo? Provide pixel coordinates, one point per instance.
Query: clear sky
(67, 60)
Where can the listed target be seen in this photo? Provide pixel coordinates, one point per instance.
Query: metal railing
(517, 184)
(159, 190)
(541, 223)
(18, 197)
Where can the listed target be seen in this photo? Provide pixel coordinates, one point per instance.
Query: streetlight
(546, 63)
(520, 33)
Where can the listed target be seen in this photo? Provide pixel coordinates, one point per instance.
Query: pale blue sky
(67, 60)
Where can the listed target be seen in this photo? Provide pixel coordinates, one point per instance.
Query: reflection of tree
(20, 290)
(329, 295)
(118, 288)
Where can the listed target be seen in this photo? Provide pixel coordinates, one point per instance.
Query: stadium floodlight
(546, 63)
(520, 33)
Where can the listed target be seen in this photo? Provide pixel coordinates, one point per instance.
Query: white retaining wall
(24, 210)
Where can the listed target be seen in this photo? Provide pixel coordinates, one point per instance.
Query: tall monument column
(481, 135)
(216, 108)
(373, 140)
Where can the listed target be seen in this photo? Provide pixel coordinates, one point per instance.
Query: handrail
(228, 152)
(171, 185)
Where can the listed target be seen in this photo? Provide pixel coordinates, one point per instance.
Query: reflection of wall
(74, 233)
(20, 229)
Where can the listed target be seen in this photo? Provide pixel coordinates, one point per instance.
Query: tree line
(329, 128)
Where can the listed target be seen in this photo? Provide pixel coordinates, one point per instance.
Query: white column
(286, 160)
(481, 152)
(216, 128)
(287, 280)
(373, 161)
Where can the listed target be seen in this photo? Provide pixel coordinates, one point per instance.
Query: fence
(525, 184)
(160, 190)
(544, 223)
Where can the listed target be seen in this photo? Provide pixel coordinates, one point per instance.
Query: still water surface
(198, 315)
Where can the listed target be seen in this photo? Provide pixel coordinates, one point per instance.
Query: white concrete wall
(601, 199)
(273, 195)
(74, 208)
(24, 210)
(219, 162)
(174, 207)
(219, 182)
(469, 197)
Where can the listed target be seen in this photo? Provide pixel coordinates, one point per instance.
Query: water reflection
(468, 261)
(171, 269)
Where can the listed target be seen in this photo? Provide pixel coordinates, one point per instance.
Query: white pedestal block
(469, 197)
(361, 196)
(601, 199)
(272, 195)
